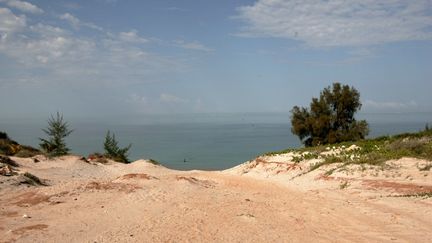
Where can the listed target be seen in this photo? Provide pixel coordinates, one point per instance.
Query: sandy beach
(264, 200)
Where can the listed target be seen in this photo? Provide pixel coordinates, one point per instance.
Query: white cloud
(169, 98)
(77, 23)
(132, 36)
(64, 56)
(137, 99)
(389, 105)
(74, 21)
(9, 22)
(192, 45)
(23, 6)
(49, 45)
(324, 23)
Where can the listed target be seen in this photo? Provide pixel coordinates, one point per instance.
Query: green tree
(57, 130)
(113, 151)
(330, 119)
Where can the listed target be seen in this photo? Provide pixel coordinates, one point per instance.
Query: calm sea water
(200, 141)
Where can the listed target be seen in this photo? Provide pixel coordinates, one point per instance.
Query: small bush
(3, 135)
(327, 161)
(57, 130)
(419, 194)
(8, 146)
(343, 185)
(113, 151)
(155, 162)
(31, 179)
(27, 152)
(99, 158)
(8, 161)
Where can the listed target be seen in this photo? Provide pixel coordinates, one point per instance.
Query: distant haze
(123, 60)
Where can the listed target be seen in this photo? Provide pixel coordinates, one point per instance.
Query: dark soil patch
(28, 199)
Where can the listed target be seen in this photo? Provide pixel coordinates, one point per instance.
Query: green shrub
(330, 118)
(97, 157)
(155, 162)
(30, 179)
(3, 135)
(113, 151)
(6, 160)
(57, 130)
(27, 152)
(8, 146)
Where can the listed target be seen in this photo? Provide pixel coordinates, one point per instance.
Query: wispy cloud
(23, 6)
(138, 99)
(170, 98)
(390, 105)
(10, 23)
(330, 23)
(195, 45)
(76, 23)
(163, 102)
(132, 36)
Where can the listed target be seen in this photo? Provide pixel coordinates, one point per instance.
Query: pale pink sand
(260, 201)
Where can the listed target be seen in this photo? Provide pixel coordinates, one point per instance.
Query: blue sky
(102, 58)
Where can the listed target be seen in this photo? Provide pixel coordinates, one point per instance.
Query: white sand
(265, 200)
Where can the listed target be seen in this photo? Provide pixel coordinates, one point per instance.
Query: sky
(125, 58)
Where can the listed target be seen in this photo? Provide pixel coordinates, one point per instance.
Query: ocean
(199, 141)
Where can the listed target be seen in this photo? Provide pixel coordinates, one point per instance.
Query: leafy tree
(330, 119)
(57, 130)
(113, 151)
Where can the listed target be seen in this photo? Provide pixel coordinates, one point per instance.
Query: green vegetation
(57, 130)
(7, 161)
(113, 151)
(279, 152)
(97, 157)
(7, 146)
(3, 135)
(11, 148)
(344, 185)
(155, 162)
(27, 152)
(420, 194)
(377, 151)
(369, 152)
(30, 179)
(330, 119)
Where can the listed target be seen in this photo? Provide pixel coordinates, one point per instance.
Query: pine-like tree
(57, 130)
(113, 151)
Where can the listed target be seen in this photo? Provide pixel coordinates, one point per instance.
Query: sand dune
(269, 199)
